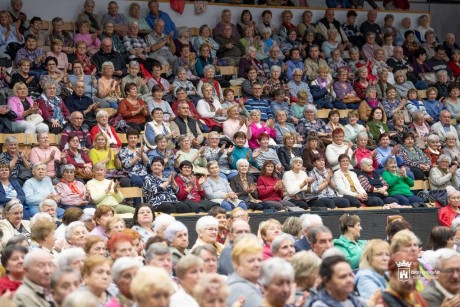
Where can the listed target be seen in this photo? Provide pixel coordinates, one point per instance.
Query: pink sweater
(70, 198)
(256, 131)
(37, 154)
(88, 40)
(16, 105)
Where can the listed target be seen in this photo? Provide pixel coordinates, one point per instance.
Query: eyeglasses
(451, 271)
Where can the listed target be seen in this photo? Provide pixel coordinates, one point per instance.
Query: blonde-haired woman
(372, 267)
(28, 113)
(269, 230)
(108, 88)
(306, 272)
(10, 32)
(97, 276)
(152, 292)
(247, 261)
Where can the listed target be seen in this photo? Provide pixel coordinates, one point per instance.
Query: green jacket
(398, 185)
(351, 250)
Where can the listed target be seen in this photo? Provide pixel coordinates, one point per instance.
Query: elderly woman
(177, 236)
(149, 292)
(311, 125)
(433, 149)
(362, 151)
(191, 189)
(124, 270)
(85, 69)
(334, 120)
(274, 83)
(58, 76)
(16, 159)
(369, 103)
(88, 15)
(109, 88)
(9, 188)
(210, 107)
(376, 124)
(72, 192)
(276, 272)
(451, 148)
(448, 213)
(264, 153)
(108, 31)
(13, 263)
(297, 184)
(39, 187)
(102, 152)
(101, 216)
(134, 16)
(25, 72)
(105, 191)
(157, 127)
(348, 185)
(306, 270)
(97, 276)
(331, 43)
(7, 27)
(375, 186)
(353, 128)
(348, 243)
(182, 81)
(78, 158)
(289, 150)
(392, 104)
(441, 176)
(344, 90)
(186, 152)
(323, 186)
(162, 151)
(399, 183)
(414, 158)
(257, 127)
(372, 268)
(312, 147)
(283, 246)
(218, 190)
(209, 77)
(336, 148)
(133, 77)
(403, 290)
(207, 228)
(249, 61)
(102, 118)
(247, 260)
(46, 154)
(270, 188)
(215, 151)
(58, 32)
(212, 289)
(282, 126)
(53, 110)
(188, 271)
(402, 85)
(13, 223)
(76, 234)
(132, 109)
(204, 59)
(204, 38)
(27, 111)
(234, 123)
(420, 128)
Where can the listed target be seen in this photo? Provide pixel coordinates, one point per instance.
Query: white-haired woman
(274, 83)
(132, 77)
(73, 257)
(207, 228)
(27, 111)
(441, 176)
(38, 188)
(109, 88)
(76, 234)
(13, 223)
(283, 246)
(276, 279)
(451, 148)
(210, 107)
(123, 271)
(217, 189)
(177, 236)
(298, 185)
(102, 126)
(53, 110)
(205, 38)
(312, 125)
(250, 60)
(217, 152)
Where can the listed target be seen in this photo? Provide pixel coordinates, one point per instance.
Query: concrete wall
(444, 16)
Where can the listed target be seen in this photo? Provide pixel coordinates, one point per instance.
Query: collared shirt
(133, 43)
(6, 157)
(154, 38)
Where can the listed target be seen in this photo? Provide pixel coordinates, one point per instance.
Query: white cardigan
(293, 181)
(343, 185)
(333, 151)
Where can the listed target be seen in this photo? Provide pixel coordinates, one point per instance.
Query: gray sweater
(239, 286)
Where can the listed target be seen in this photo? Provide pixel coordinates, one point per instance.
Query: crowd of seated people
(194, 145)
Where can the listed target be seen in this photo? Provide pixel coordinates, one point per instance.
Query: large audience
(134, 101)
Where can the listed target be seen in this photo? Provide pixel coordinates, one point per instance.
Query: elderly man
(161, 46)
(313, 62)
(156, 14)
(89, 16)
(226, 20)
(438, 61)
(308, 222)
(230, 47)
(443, 126)
(328, 22)
(79, 102)
(296, 85)
(119, 20)
(444, 290)
(77, 127)
(370, 26)
(63, 282)
(450, 44)
(207, 228)
(158, 255)
(35, 289)
(184, 124)
(320, 239)
(237, 229)
(397, 61)
(275, 57)
(107, 54)
(256, 102)
(49, 206)
(135, 46)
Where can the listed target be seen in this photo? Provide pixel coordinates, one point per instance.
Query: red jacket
(47, 111)
(265, 188)
(446, 215)
(195, 194)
